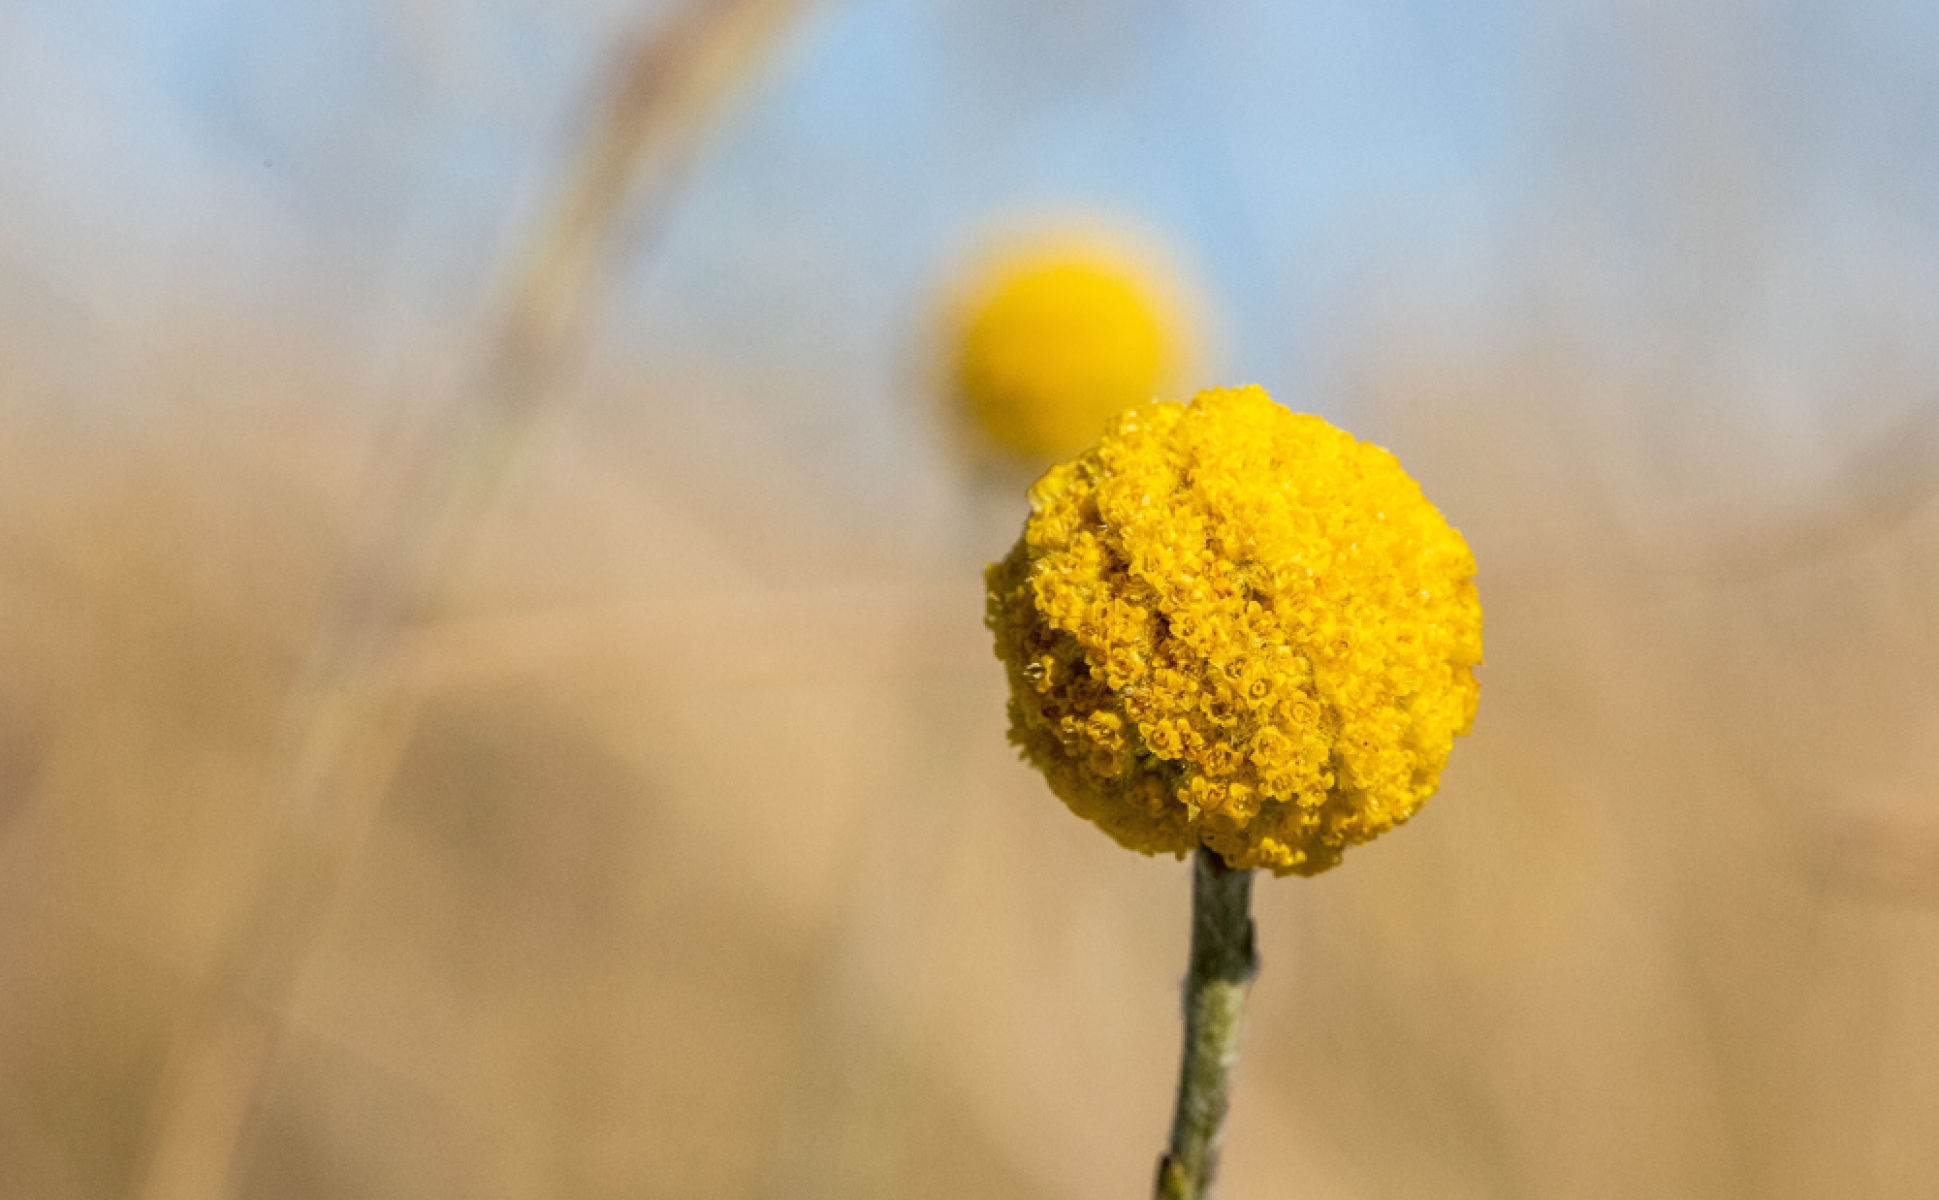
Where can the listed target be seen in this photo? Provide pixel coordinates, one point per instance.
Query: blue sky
(1755, 189)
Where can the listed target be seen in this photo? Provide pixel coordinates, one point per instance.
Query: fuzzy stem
(1222, 967)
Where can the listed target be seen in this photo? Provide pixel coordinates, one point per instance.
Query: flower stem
(1223, 964)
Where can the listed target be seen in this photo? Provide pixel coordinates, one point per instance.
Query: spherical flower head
(1231, 625)
(1055, 343)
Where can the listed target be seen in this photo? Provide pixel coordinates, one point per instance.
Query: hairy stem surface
(1222, 967)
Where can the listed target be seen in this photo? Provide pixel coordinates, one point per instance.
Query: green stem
(1223, 964)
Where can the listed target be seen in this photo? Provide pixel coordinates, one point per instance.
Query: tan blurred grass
(706, 871)
(716, 879)
(349, 715)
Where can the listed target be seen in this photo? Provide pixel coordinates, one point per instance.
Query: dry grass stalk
(349, 719)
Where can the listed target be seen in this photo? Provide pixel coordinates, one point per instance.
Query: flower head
(1229, 624)
(1055, 341)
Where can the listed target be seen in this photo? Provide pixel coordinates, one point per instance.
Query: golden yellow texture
(1230, 624)
(1055, 345)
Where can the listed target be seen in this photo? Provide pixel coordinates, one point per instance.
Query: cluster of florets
(1231, 625)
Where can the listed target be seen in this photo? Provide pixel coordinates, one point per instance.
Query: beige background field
(691, 860)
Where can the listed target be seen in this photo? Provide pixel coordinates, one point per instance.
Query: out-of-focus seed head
(1053, 340)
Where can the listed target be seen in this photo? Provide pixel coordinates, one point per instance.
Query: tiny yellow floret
(1056, 344)
(1231, 625)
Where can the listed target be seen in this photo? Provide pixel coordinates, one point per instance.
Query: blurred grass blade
(349, 717)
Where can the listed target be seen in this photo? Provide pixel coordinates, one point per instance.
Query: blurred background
(493, 699)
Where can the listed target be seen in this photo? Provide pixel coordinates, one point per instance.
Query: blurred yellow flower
(1233, 625)
(1056, 341)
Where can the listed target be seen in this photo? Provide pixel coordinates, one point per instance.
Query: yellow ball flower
(1233, 625)
(1056, 343)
